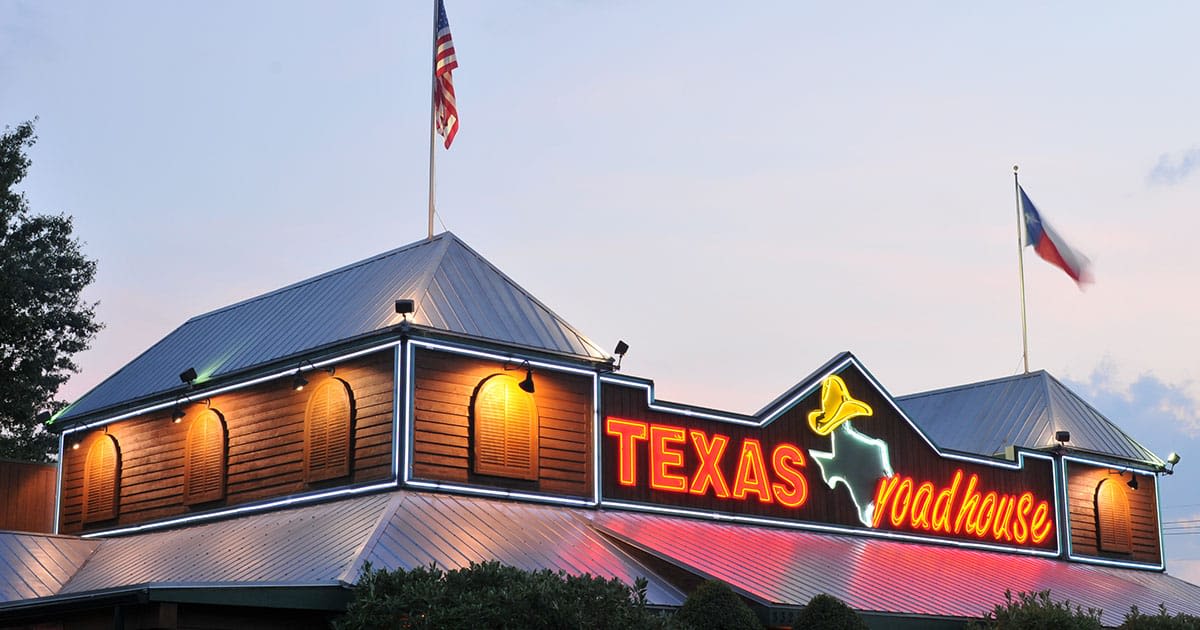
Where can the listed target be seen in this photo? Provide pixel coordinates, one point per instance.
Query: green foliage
(43, 321)
(1135, 620)
(491, 595)
(826, 612)
(714, 606)
(1036, 611)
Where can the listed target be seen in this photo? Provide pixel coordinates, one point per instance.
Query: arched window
(505, 429)
(1112, 516)
(328, 428)
(101, 480)
(204, 459)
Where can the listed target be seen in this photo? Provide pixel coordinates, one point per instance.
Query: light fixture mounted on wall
(1133, 482)
(298, 382)
(526, 385)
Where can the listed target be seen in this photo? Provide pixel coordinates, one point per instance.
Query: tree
(43, 320)
(714, 606)
(826, 612)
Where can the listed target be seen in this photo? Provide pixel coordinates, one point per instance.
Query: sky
(739, 191)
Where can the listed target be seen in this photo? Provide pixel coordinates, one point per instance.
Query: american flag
(444, 109)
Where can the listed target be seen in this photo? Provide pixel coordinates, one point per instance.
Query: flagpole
(432, 110)
(1021, 268)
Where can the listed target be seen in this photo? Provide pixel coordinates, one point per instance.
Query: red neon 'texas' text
(779, 479)
(1000, 517)
(627, 433)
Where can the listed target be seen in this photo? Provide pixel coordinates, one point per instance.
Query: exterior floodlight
(527, 384)
(1172, 459)
(188, 376)
(1132, 483)
(620, 351)
(177, 414)
(1062, 437)
(405, 307)
(298, 382)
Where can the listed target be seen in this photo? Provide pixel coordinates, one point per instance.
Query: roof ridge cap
(1098, 413)
(359, 558)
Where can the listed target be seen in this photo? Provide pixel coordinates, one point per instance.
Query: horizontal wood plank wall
(1143, 512)
(266, 447)
(27, 496)
(444, 384)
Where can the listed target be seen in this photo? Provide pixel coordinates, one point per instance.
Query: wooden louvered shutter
(506, 429)
(328, 421)
(204, 459)
(1112, 517)
(101, 480)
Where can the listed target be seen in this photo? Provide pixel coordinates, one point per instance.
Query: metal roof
(1024, 410)
(789, 567)
(323, 544)
(37, 565)
(452, 532)
(455, 289)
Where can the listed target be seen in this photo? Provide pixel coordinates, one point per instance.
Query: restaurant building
(420, 407)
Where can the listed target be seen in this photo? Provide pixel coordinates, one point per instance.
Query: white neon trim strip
(58, 481)
(258, 507)
(397, 387)
(505, 494)
(197, 394)
(755, 520)
(410, 423)
(596, 420)
(1129, 564)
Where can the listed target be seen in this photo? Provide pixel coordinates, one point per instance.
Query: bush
(491, 595)
(826, 612)
(714, 606)
(1036, 611)
(1135, 620)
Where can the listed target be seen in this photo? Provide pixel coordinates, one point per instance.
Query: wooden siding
(27, 496)
(444, 384)
(1082, 481)
(265, 426)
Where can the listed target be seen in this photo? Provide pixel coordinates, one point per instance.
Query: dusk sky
(739, 191)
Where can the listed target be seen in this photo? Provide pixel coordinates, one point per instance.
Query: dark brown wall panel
(444, 384)
(27, 496)
(1082, 481)
(266, 446)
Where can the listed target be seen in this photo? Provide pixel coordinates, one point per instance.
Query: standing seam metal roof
(455, 290)
(1024, 410)
(789, 567)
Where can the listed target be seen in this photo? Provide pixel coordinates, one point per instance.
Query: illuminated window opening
(101, 480)
(328, 431)
(505, 425)
(1112, 516)
(204, 459)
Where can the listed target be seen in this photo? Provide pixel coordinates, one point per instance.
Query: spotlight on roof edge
(405, 307)
(188, 376)
(620, 351)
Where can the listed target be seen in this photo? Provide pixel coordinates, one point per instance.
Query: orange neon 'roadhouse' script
(1001, 517)
(955, 510)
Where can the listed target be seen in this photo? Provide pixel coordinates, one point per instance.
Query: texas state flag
(1051, 247)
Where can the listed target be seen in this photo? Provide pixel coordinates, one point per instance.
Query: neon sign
(866, 480)
(1000, 517)
(782, 481)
